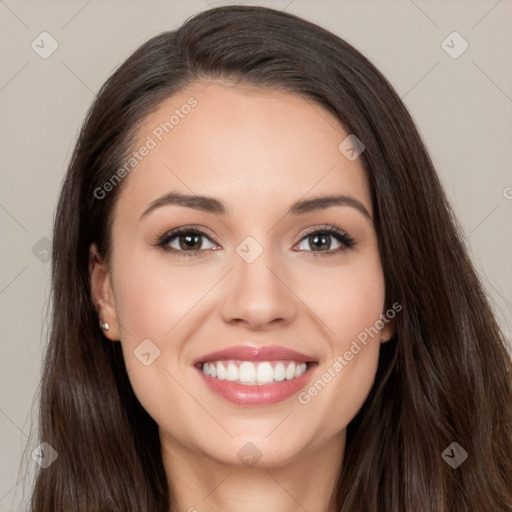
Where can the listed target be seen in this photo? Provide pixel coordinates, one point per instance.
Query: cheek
(148, 306)
(350, 304)
(155, 301)
(153, 295)
(347, 298)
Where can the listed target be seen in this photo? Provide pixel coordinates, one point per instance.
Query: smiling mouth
(255, 373)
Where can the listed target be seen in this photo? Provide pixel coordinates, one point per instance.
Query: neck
(201, 483)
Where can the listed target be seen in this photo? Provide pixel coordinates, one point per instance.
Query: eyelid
(323, 227)
(171, 233)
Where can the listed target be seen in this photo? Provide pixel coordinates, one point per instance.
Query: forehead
(251, 148)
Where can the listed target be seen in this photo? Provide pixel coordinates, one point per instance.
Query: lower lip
(257, 395)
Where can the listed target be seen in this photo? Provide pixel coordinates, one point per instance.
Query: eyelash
(342, 237)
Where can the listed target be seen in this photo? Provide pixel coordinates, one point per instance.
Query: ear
(388, 330)
(102, 293)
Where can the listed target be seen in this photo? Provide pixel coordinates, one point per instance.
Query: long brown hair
(444, 377)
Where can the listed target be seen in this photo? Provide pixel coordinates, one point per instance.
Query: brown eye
(186, 241)
(190, 241)
(321, 242)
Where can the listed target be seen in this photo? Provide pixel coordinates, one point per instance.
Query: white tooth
(290, 371)
(250, 373)
(279, 372)
(264, 373)
(221, 371)
(232, 372)
(247, 372)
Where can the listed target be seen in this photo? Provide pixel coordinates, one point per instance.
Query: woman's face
(261, 276)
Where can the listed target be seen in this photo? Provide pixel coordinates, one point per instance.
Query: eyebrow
(217, 207)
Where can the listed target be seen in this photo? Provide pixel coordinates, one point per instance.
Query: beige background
(462, 106)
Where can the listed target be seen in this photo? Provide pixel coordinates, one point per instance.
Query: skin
(257, 151)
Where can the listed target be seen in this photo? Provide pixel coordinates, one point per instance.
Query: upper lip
(255, 353)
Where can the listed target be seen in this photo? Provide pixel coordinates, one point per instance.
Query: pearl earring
(105, 326)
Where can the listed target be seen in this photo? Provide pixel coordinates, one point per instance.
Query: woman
(201, 357)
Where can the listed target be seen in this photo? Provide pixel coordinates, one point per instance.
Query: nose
(259, 295)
